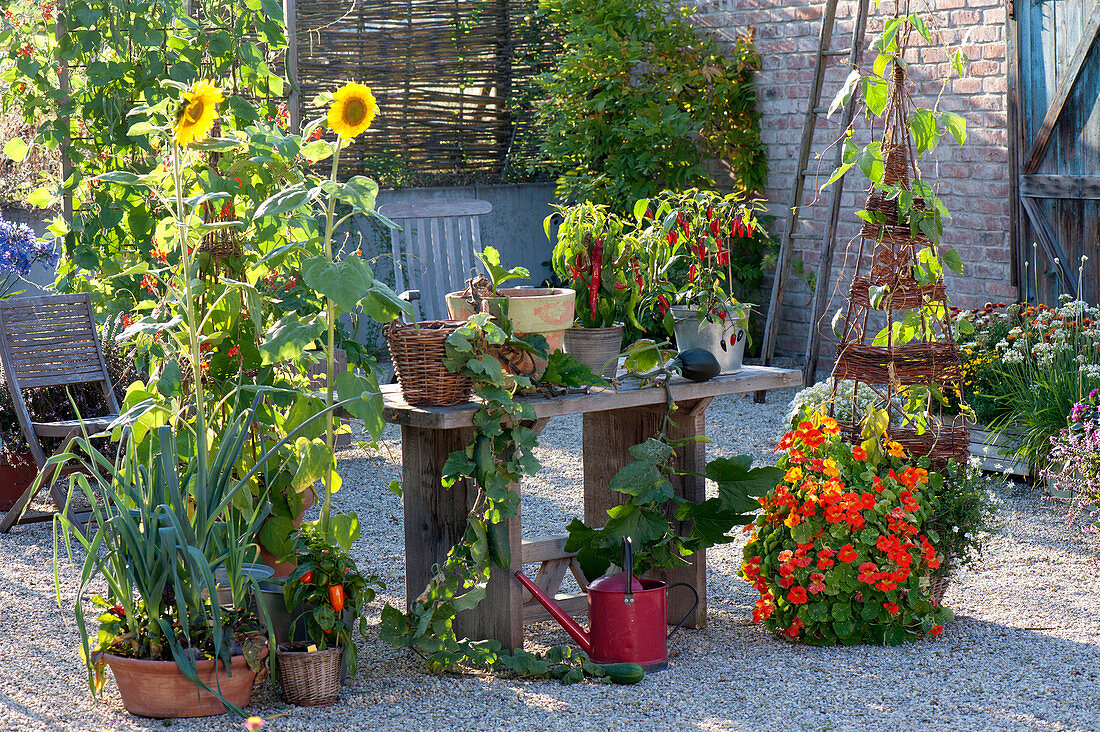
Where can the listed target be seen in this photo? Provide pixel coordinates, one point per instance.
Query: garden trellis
(449, 77)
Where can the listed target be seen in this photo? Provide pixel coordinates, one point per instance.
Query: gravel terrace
(1024, 653)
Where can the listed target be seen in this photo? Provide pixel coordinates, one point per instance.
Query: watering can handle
(687, 615)
(628, 567)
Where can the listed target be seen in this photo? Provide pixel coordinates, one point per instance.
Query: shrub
(840, 553)
(639, 100)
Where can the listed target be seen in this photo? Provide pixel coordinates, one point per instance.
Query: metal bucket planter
(546, 311)
(725, 340)
(595, 347)
(248, 569)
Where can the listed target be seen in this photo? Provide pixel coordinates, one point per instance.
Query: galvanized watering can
(626, 617)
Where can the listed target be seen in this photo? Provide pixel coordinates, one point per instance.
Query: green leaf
(922, 123)
(643, 481)
(644, 525)
(383, 305)
(490, 260)
(170, 383)
(845, 94)
(16, 149)
(870, 162)
(289, 336)
(275, 535)
(313, 460)
(317, 151)
(952, 259)
(804, 532)
(563, 369)
(956, 125)
(652, 451)
(874, 92)
(344, 282)
(370, 405)
(876, 294)
(287, 200)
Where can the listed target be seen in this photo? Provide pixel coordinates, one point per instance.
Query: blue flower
(20, 250)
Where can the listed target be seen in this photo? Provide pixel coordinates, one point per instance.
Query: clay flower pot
(595, 348)
(546, 311)
(159, 689)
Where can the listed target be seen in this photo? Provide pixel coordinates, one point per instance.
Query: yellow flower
(353, 109)
(196, 117)
(793, 475)
(830, 468)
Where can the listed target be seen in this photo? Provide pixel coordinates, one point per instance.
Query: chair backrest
(433, 250)
(50, 341)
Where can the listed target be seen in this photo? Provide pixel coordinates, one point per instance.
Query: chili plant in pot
(597, 253)
(541, 311)
(687, 269)
(325, 596)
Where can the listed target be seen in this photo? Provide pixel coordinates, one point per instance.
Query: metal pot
(596, 348)
(725, 340)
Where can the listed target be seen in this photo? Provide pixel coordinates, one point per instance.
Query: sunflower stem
(330, 316)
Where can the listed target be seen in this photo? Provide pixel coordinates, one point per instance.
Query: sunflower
(353, 109)
(197, 114)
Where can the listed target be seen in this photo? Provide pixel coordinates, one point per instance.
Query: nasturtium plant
(843, 552)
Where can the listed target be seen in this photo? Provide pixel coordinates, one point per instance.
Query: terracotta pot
(283, 569)
(546, 311)
(725, 340)
(159, 689)
(17, 472)
(595, 347)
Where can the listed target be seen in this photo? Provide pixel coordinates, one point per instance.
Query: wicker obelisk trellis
(889, 368)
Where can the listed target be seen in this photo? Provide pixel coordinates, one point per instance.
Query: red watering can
(626, 617)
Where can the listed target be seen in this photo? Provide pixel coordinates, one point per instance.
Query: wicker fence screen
(454, 81)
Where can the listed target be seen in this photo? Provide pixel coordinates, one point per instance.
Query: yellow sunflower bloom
(353, 109)
(199, 110)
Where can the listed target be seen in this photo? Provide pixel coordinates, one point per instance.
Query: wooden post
(435, 520)
(608, 437)
(294, 100)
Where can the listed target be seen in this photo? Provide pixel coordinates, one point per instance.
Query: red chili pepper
(307, 578)
(336, 597)
(671, 238)
(691, 274)
(714, 227)
(662, 304)
(620, 286)
(597, 269)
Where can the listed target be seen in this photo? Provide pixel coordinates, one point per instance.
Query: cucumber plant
(500, 455)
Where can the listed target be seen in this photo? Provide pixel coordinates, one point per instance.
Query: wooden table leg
(607, 438)
(435, 520)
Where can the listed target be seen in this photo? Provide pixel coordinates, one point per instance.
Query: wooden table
(435, 517)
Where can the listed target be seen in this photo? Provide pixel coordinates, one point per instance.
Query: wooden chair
(433, 250)
(51, 341)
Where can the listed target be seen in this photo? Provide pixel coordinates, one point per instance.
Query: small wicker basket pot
(418, 352)
(309, 679)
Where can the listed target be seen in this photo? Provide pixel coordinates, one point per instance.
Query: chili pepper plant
(686, 240)
(597, 253)
(332, 591)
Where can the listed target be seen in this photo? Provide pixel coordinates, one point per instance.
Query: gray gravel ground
(1023, 655)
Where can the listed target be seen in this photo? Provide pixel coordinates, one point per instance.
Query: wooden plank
(1060, 186)
(435, 520)
(607, 439)
(748, 379)
(574, 604)
(435, 207)
(294, 101)
(545, 548)
(1065, 87)
(1051, 245)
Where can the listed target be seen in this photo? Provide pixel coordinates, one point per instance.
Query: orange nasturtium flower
(353, 109)
(793, 475)
(196, 116)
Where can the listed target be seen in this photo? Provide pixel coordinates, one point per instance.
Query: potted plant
(542, 311)
(327, 596)
(687, 269)
(846, 550)
(173, 652)
(597, 253)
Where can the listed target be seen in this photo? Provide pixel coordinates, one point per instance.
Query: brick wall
(973, 181)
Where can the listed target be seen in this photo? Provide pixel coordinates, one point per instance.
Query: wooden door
(1054, 125)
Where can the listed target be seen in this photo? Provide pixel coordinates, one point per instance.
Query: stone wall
(973, 181)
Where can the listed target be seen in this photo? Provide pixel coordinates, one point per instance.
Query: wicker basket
(937, 587)
(418, 352)
(309, 679)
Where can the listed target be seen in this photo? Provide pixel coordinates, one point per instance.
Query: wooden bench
(612, 422)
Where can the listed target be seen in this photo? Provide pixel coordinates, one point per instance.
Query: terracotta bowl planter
(546, 311)
(17, 472)
(159, 689)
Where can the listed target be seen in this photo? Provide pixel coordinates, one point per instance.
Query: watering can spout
(571, 626)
